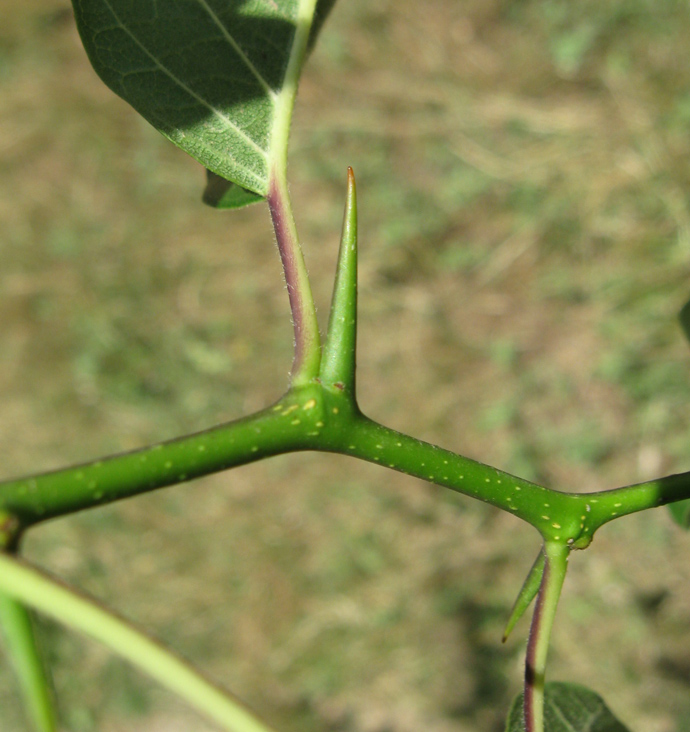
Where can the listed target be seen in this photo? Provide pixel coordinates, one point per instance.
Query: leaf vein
(216, 112)
(556, 709)
(236, 47)
(590, 720)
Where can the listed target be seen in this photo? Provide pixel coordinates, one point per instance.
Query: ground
(525, 247)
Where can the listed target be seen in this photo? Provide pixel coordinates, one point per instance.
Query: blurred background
(523, 171)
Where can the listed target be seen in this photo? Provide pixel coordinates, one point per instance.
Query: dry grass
(525, 238)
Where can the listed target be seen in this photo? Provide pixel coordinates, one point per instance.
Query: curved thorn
(527, 593)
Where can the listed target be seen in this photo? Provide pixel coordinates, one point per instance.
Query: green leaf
(680, 512)
(568, 708)
(221, 193)
(217, 77)
(684, 317)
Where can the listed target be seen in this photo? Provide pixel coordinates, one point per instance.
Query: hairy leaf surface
(207, 73)
(569, 708)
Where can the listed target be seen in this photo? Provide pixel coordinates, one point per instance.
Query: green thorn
(527, 593)
(338, 363)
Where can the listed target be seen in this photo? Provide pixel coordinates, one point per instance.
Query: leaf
(568, 708)
(221, 193)
(217, 77)
(680, 512)
(323, 8)
(684, 317)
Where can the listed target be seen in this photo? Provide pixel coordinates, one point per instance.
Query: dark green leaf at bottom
(568, 708)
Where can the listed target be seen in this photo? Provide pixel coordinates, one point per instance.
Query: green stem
(31, 587)
(357, 435)
(307, 357)
(285, 102)
(269, 432)
(305, 366)
(320, 411)
(555, 567)
(612, 504)
(317, 418)
(23, 650)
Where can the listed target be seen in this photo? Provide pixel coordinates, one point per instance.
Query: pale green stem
(35, 589)
(555, 566)
(285, 102)
(22, 648)
(307, 357)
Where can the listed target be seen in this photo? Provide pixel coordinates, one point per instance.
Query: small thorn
(527, 593)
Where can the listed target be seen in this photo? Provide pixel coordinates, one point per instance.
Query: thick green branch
(361, 437)
(570, 518)
(609, 505)
(284, 427)
(317, 418)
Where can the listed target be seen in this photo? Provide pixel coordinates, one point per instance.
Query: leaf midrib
(556, 709)
(245, 59)
(285, 99)
(218, 113)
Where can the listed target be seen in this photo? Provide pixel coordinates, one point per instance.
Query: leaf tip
(221, 193)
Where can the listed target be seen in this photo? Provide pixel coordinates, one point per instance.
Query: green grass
(525, 248)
